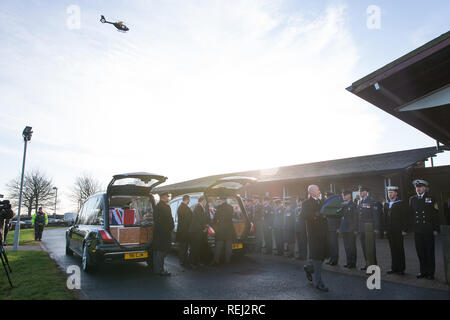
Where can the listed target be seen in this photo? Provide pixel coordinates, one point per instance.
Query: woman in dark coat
(225, 233)
(162, 233)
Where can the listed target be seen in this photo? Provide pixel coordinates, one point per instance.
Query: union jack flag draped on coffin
(212, 212)
(211, 231)
(119, 216)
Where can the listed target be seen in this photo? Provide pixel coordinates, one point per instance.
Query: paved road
(249, 277)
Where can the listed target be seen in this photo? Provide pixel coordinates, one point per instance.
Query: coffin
(132, 235)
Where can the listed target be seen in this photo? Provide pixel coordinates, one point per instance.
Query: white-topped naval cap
(420, 182)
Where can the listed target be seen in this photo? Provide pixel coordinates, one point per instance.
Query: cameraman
(39, 221)
(6, 214)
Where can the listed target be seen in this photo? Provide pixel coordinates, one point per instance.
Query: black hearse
(116, 225)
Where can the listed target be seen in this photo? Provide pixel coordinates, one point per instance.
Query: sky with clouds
(198, 87)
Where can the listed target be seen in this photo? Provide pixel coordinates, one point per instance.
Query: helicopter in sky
(120, 26)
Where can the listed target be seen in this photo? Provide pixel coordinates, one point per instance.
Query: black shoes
(421, 276)
(350, 266)
(396, 272)
(322, 287)
(308, 272)
(391, 272)
(364, 268)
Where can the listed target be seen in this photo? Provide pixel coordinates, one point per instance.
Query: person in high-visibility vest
(39, 221)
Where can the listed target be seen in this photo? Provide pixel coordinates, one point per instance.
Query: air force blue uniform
(267, 213)
(368, 213)
(348, 228)
(278, 227)
(300, 234)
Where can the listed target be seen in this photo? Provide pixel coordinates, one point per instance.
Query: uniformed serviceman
(39, 221)
(289, 226)
(278, 226)
(423, 208)
(349, 227)
(300, 231)
(333, 240)
(258, 222)
(268, 225)
(395, 226)
(367, 213)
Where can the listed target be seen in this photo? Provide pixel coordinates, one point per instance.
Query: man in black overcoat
(317, 229)
(197, 231)
(395, 224)
(184, 214)
(225, 233)
(162, 234)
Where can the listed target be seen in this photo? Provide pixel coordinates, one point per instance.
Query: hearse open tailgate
(229, 185)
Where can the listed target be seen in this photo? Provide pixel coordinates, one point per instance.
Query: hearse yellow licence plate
(237, 246)
(136, 255)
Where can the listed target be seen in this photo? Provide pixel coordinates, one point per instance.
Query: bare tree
(37, 191)
(84, 187)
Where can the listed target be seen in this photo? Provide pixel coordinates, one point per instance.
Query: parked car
(23, 225)
(228, 187)
(117, 225)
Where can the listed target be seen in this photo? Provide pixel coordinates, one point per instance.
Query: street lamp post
(56, 197)
(26, 134)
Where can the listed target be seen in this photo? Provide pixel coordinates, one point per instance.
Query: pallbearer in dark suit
(349, 228)
(395, 222)
(225, 233)
(184, 214)
(197, 231)
(425, 226)
(317, 229)
(162, 234)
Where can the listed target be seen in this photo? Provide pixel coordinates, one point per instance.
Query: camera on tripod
(5, 210)
(6, 213)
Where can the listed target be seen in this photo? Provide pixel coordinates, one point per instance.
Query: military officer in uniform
(268, 224)
(333, 240)
(367, 213)
(425, 226)
(289, 226)
(300, 231)
(395, 225)
(349, 227)
(278, 226)
(258, 221)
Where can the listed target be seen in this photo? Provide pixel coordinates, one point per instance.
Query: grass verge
(26, 237)
(35, 276)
